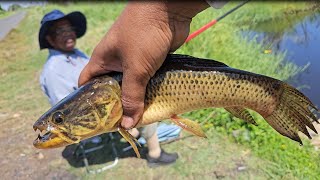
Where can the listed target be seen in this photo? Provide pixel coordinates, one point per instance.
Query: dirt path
(20, 160)
(8, 23)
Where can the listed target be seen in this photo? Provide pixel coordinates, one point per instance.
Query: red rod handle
(203, 28)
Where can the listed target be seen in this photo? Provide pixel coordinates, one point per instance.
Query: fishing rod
(205, 27)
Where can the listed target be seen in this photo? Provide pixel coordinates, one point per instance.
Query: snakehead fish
(182, 84)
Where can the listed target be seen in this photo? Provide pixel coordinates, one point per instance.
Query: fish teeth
(42, 133)
(49, 128)
(36, 128)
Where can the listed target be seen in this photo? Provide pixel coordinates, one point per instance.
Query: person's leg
(153, 144)
(134, 132)
(149, 133)
(156, 156)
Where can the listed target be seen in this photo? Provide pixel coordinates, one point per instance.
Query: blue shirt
(60, 74)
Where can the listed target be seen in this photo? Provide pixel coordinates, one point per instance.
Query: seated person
(58, 33)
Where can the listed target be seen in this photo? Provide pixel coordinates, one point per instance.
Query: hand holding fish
(137, 45)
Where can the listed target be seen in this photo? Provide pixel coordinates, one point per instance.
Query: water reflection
(299, 37)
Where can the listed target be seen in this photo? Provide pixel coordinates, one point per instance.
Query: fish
(182, 84)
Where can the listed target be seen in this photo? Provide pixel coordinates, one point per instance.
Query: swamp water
(299, 37)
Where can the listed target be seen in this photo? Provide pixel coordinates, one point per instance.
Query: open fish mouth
(48, 139)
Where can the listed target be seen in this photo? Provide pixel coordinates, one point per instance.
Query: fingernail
(127, 122)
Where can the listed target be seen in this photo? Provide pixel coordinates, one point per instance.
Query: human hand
(137, 44)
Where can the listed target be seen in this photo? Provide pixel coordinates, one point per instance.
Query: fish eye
(57, 117)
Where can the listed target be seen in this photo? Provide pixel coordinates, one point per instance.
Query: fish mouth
(48, 139)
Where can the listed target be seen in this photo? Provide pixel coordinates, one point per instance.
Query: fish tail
(293, 113)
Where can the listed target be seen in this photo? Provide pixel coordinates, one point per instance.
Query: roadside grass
(4, 14)
(271, 155)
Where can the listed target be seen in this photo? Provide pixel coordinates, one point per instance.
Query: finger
(104, 59)
(133, 94)
(85, 76)
(90, 71)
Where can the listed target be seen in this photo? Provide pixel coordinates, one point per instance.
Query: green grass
(3, 14)
(271, 155)
(287, 156)
(214, 157)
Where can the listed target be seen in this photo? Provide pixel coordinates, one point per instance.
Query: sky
(6, 4)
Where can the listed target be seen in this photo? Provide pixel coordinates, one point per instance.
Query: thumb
(85, 75)
(133, 94)
(94, 68)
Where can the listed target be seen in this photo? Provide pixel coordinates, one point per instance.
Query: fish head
(93, 109)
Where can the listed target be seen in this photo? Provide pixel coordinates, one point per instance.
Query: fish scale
(180, 91)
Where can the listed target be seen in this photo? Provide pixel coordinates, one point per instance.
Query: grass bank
(276, 156)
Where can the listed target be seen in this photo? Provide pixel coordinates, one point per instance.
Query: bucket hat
(76, 18)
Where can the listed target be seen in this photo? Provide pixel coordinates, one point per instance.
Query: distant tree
(1, 8)
(14, 7)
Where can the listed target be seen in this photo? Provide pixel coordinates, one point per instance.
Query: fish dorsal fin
(180, 62)
(241, 113)
(186, 62)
